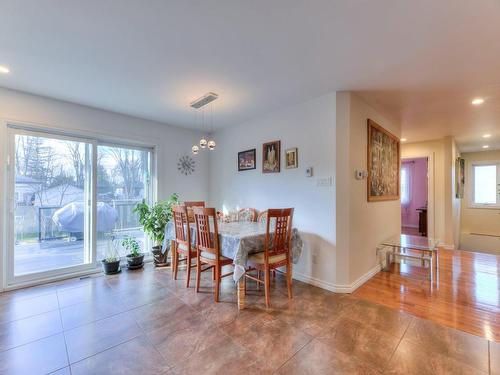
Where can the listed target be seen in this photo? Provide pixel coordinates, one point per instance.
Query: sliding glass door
(123, 180)
(69, 198)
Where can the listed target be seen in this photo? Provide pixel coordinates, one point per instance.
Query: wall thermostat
(360, 174)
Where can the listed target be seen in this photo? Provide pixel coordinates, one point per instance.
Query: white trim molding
(338, 288)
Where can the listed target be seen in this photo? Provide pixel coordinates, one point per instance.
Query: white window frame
(471, 184)
(12, 128)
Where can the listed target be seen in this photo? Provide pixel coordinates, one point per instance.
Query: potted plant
(111, 264)
(134, 256)
(154, 220)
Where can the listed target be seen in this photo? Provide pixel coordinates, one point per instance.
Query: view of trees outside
(50, 190)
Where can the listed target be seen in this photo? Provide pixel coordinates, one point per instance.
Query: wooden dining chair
(182, 242)
(189, 206)
(208, 249)
(247, 214)
(262, 217)
(277, 250)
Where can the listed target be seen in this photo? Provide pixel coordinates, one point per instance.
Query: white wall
(170, 142)
(367, 224)
(310, 127)
(479, 220)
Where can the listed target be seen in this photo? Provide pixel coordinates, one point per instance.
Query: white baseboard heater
(482, 242)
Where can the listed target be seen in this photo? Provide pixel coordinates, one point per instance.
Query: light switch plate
(309, 171)
(324, 182)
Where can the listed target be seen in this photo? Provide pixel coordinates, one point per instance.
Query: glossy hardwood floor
(465, 295)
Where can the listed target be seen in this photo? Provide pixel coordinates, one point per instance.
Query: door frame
(6, 127)
(431, 212)
(89, 225)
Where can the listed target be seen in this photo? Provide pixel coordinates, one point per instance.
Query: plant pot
(110, 268)
(135, 262)
(160, 257)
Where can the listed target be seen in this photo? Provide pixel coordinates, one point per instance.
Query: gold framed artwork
(291, 158)
(383, 164)
(271, 157)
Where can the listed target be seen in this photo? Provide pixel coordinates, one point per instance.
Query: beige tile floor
(143, 322)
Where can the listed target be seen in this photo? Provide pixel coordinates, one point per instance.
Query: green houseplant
(135, 259)
(154, 220)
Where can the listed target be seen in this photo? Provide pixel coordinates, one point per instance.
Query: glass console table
(412, 248)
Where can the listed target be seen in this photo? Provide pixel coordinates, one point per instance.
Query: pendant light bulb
(195, 149)
(203, 142)
(211, 145)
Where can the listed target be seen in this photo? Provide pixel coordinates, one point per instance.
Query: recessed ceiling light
(477, 101)
(4, 69)
(486, 146)
(403, 139)
(486, 135)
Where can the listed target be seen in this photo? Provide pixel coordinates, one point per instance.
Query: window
(405, 184)
(71, 197)
(485, 185)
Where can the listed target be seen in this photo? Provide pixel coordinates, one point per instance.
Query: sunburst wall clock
(185, 165)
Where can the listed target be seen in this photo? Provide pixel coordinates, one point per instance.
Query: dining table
(237, 240)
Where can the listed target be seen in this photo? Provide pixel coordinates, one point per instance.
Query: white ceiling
(421, 61)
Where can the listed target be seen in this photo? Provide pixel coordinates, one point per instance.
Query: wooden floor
(465, 296)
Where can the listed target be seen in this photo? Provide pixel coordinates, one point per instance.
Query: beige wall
(478, 220)
(359, 225)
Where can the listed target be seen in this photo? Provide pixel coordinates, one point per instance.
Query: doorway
(414, 196)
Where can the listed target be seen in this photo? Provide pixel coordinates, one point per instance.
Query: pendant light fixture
(200, 105)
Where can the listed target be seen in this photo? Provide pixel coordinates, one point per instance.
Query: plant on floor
(134, 256)
(111, 262)
(154, 219)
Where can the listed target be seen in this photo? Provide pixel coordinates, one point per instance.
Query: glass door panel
(51, 203)
(123, 180)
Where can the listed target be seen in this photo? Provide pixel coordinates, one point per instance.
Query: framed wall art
(246, 160)
(291, 158)
(271, 157)
(383, 164)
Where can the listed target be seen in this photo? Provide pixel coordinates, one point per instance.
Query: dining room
(225, 187)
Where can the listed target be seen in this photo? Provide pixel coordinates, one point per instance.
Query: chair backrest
(279, 234)
(182, 232)
(208, 240)
(190, 205)
(247, 214)
(262, 217)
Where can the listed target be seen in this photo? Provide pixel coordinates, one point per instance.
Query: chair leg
(214, 275)
(188, 261)
(217, 282)
(267, 288)
(258, 277)
(198, 274)
(176, 263)
(289, 279)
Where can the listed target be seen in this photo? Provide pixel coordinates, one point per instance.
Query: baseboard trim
(338, 288)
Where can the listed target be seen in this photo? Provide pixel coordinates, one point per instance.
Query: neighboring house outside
(25, 190)
(58, 196)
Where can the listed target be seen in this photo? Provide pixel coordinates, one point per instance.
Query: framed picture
(291, 158)
(459, 178)
(271, 157)
(383, 164)
(246, 160)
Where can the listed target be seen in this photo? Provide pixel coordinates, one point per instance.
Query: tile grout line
(63, 334)
(399, 342)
